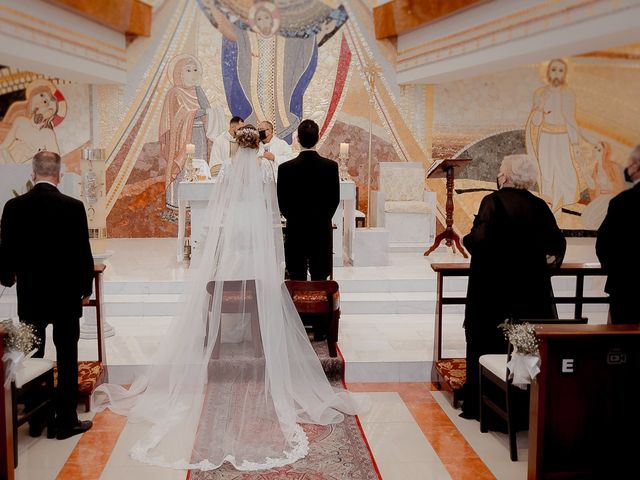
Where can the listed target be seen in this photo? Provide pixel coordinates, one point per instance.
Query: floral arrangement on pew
(20, 343)
(524, 364)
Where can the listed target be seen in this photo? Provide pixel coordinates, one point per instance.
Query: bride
(236, 374)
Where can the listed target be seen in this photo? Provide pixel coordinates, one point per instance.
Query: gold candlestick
(343, 169)
(190, 173)
(371, 72)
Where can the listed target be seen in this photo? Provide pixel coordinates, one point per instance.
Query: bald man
(273, 148)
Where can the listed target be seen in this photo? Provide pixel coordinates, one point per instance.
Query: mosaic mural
(38, 113)
(574, 117)
(292, 59)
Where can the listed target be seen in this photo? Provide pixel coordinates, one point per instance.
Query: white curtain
(236, 374)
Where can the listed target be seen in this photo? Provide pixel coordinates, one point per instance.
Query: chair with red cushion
(319, 298)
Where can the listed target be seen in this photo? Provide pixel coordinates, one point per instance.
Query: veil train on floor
(236, 374)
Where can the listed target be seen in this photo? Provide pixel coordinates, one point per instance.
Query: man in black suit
(44, 248)
(620, 229)
(308, 194)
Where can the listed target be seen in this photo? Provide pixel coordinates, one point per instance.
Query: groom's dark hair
(308, 133)
(235, 119)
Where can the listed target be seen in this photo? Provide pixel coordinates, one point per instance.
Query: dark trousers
(479, 343)
(307, 248)
(623, 311)
(66, 333)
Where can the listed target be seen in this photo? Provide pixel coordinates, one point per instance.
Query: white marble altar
(196, 195)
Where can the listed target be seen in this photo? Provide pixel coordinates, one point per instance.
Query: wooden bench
(319, 298)
(452, 371)
(240, 297)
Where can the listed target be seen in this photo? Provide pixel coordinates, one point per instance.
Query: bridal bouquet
(524, 365)
(20, 343)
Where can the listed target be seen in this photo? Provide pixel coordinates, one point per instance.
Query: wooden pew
(461, 269)
(584, 419)
(6, 423)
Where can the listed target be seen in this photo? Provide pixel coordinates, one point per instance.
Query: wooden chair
(493, 371)
(6, 435)
(34, 378)
(320, 298)
(238, 296)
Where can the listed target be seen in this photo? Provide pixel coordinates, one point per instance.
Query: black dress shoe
(80, 427)
(35, 429)
(469, 415)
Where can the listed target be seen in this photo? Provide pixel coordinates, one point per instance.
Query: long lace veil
(235, 374)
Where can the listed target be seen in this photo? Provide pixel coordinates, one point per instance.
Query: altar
(195, 195)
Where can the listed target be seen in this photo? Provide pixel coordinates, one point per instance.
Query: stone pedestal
(89, 325)
(370, 247)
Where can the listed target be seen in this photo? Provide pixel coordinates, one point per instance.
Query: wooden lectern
(584, 414)
(440, 169)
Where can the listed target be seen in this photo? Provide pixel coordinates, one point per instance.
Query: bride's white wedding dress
(235, 375)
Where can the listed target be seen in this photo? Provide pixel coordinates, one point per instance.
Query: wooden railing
(578, 270)
(98, 303)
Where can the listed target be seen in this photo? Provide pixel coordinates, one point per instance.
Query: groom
(308, 194)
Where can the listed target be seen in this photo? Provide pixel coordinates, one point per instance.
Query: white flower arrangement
(20, 336)
(20, 342)
(524, 365)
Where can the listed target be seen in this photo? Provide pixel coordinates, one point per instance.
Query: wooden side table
(446, 168)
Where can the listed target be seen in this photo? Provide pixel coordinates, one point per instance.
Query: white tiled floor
(397, 443)
(491, 447)
(42, 458)
(121, 467)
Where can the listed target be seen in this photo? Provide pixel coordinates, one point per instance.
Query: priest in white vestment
(224, 146)
(273, 148)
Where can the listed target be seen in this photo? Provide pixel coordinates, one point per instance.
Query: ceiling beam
(131, 17)
(400, 16)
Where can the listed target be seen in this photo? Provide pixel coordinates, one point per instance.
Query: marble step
(346, 285)
(356, 303)
(397, 302)
(351, 303)
(408, 247)
(349, 283)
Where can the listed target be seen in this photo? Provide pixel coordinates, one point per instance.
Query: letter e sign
(567, 365)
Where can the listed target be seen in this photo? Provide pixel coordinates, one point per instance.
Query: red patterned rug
(337, 452)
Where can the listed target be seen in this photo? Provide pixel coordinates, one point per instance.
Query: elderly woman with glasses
(513, 241)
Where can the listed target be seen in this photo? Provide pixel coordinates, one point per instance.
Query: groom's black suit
(44, 247)
(308, 194)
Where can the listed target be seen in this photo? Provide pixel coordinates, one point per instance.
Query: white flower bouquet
(524, 364)
(20, 343)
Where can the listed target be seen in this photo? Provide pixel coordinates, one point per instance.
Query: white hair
(520, 171)
(46, 164)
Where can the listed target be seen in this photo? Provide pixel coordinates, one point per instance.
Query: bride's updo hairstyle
(247, 137)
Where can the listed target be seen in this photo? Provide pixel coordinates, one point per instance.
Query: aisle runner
(337, 452)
